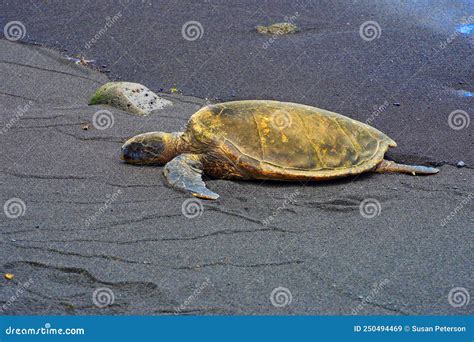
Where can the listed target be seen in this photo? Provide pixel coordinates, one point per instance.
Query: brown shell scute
(291, 137)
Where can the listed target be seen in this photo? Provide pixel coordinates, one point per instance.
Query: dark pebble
(460, 164)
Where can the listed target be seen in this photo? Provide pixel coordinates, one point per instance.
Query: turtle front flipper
(184, 173)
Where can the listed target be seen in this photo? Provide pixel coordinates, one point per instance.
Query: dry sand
(93, 222)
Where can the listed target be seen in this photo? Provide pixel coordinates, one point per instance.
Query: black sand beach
(91, 222)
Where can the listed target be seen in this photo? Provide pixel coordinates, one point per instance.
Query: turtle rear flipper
(390, 166)
(184, 173)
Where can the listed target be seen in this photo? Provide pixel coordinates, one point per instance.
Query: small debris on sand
(9, 276)
(461, 164)
(278, 29)
(80, 60)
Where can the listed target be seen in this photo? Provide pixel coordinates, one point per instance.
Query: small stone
(396, 104)
(9, 276)
(460, 164)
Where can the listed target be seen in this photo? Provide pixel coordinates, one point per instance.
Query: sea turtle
(269, 140)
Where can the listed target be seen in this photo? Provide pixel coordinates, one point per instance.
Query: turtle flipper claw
(184, 173)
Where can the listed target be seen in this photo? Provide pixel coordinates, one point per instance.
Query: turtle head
(153, 148)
